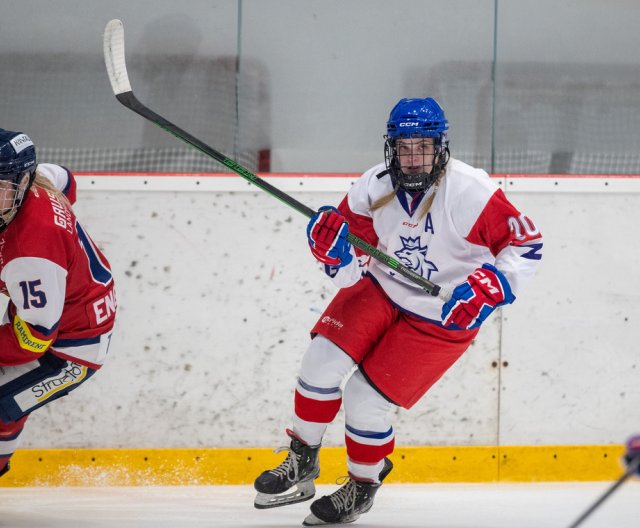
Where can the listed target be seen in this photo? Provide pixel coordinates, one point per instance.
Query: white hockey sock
(366, 472)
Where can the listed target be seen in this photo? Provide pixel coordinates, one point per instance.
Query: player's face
(8, 191)
(415, 155)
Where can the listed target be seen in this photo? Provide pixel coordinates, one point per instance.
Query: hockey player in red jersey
(446, 221)
(57, 327)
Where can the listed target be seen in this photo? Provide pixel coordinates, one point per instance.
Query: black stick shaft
(633, 467)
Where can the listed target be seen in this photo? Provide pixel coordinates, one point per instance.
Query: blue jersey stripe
(76, 342)
(99, 271)
(43, 329)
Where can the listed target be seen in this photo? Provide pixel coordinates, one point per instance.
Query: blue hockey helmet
(17, 172)
(417, 118)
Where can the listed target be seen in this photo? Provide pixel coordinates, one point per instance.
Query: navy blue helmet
(17, 171)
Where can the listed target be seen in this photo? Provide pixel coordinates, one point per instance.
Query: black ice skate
(346, 504)
(298, 470)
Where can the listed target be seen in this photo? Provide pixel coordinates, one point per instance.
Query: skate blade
(303, 491)
(312, 520)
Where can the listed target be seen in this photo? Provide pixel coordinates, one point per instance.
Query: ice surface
(540, 505)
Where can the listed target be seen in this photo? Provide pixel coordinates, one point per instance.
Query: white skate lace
(289, 463)
(345, 497)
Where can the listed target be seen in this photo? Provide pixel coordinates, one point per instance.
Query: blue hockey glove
(474, 300)
(327, 233)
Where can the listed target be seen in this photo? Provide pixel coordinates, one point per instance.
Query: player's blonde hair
(381, 202)
(45, 184)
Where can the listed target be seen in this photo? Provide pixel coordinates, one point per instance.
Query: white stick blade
(114, 57)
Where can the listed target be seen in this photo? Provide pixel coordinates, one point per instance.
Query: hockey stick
(117, 69)
(633, 467)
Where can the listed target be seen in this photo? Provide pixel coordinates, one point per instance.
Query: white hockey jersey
(469, 223)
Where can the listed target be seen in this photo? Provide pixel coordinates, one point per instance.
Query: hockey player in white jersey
(445, 220)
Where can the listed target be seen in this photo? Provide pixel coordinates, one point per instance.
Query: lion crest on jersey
(414, 256)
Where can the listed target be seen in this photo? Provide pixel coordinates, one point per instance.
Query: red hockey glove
(327, 233)
(473, 300)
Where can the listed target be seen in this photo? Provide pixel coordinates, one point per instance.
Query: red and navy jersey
(469, 223)
(60, 285)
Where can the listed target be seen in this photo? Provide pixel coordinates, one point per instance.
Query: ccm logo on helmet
(409, 123)
(21, 142)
